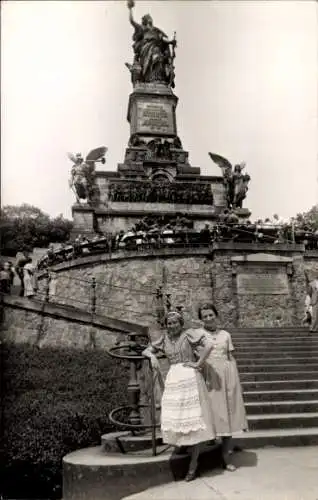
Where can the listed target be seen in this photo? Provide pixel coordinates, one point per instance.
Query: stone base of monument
(97, 474)
(83, 220)
(126, 442)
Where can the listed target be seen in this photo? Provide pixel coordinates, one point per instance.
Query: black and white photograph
(159, 250)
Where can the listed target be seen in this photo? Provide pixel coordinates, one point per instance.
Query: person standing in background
(313, 294)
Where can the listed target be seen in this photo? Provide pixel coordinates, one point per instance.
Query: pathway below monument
(263, 474)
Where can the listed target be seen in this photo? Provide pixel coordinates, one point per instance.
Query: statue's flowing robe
(153, 51)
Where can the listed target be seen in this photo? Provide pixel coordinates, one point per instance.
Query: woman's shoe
(191, 475)
(229, 467)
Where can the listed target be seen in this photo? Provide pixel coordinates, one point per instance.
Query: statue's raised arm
(131, 5)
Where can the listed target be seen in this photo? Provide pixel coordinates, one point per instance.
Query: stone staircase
(279, 374)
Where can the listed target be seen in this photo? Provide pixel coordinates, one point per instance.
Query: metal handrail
(134, 389)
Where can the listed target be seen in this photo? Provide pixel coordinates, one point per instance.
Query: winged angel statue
(82, 179)
(236, 183)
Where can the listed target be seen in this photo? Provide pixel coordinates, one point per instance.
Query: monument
(156, 177)
(256, 276)
(253, 283)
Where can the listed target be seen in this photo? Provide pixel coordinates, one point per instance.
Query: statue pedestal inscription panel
(152, 114)
(263, 283)
(263, 290)
(155, 117)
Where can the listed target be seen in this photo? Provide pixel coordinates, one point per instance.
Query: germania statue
(154, 53)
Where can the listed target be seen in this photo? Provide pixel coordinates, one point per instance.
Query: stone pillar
(298, 282)
(223, 292)
(151, 110)
(84, 220)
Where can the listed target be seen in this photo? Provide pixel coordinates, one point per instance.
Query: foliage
(308, 220)
(26, 226)
(55, 401)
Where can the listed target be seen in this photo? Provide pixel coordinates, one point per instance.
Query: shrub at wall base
(55, 401)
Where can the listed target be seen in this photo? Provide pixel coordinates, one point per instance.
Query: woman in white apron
(186, 416)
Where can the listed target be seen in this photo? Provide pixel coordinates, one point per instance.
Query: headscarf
(175, 314)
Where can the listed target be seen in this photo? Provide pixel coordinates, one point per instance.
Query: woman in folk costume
(186, 416)
(223, 383)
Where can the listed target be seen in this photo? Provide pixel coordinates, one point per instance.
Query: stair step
(274, 385)
(273, 332)
(253, 352)
(281, 395)
(273, 346)
(282, 420)
(282, 338)
(292, 341)
(287, 367)
(271, 361)
(253, 376)
(280, 407)
(278, 437)
(280, 329)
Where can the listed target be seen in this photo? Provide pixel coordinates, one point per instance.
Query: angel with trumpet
(82, 180)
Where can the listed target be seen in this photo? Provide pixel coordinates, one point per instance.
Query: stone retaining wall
(126, 284)
(52, 325)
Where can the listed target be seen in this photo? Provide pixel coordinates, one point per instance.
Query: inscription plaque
(155, 117)
(262, 284)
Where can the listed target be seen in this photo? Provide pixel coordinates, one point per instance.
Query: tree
(308, 220)
(26, 226)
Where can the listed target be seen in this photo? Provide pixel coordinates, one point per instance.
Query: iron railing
(131, 351)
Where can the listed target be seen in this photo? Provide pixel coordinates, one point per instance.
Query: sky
(246, 78)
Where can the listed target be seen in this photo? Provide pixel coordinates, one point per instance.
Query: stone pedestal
(156, 179)
(84, 220)
(94, 474)
(151, 110)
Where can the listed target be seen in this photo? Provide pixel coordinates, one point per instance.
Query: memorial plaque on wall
(155, 117)
(262, 284)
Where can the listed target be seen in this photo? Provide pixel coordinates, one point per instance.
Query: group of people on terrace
(151, 234)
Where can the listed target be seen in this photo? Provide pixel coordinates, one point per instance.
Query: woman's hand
(152, 358)
(154, 362)
(190, 364)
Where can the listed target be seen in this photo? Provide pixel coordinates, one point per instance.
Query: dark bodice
(182, 349)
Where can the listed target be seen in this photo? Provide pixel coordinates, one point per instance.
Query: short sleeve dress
(186, 414)
(223, 383)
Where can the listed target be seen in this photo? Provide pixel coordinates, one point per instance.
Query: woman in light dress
(29, 279)
(308, 310)
(313, 293)
(186, 413)
(223, 383)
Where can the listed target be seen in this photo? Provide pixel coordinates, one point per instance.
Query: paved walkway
(263, 474)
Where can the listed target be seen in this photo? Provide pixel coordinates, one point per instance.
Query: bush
(55, 401)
